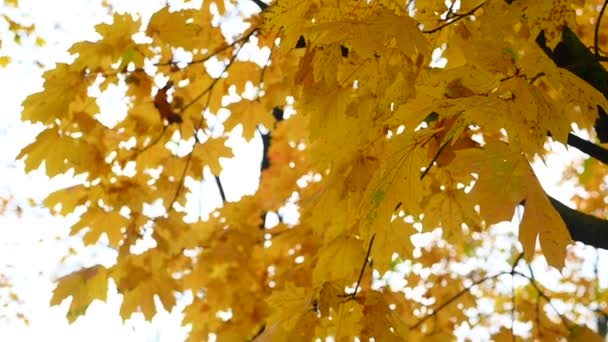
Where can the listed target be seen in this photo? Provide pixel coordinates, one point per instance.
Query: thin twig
(597, 31)
(543, 295)
(455, 297)
(517, 260)
(220, 187)
(213, 83)
(434, 159)
(457, 18)
(152, 142)
(369, 250)
(192, 62)
(244, 38)
(200, 124)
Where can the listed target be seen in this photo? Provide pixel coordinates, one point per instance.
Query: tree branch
(593, 150)
(261, 4)
(573, 55)
(456, 17)
(584, 228)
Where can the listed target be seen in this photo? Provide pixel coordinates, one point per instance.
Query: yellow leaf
(189, 29)
(340, 260)
(84, 286)
(396, 183)
(542, 220)
(209, 153)
(489, 55)
(531, 116)
(505, 180)
(329, 298)
(242, 71)
(581, 333)
(393, 237)
(450, 209)
(373, 33)
(580, 98)
(61, 153)
(139, 286)
(249, 114)
(290, 17)
(288, 305)
(504, 335)
(99, 221)
(68, 198)
(348, 325)
(115, 43)
(500, 186)
(62, 85)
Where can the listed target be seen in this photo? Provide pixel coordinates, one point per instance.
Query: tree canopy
(395, 137)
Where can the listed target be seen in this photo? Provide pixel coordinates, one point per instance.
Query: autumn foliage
(400, 131)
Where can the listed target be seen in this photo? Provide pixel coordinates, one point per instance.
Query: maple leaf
(100, 221)
(186, 28)
(139, 286)
(249, 114)
(209, 153)
(542, 220)
(348, 319)
(502, 173)
(340, 260)
(61, 153)
(450, 209)
(393, 238)
(84, 286)
(506, 180)
(67, 198)
(397, 183)
(243, 71)
(116, 42)
(61, 86)
(288, 305)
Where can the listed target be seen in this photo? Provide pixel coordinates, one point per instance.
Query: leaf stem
(369, 250)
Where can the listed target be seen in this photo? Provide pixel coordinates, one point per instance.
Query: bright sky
(32, 246)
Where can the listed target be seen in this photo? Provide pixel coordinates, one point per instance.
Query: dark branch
(220, 188)
(583, 227)
(573, 55)
(266, 139)
(265, 163)
(593, 150)
(261, 4)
